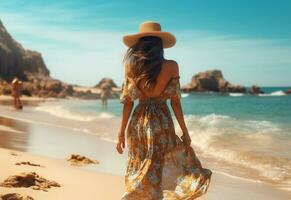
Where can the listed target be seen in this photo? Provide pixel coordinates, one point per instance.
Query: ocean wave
(276, 93)
(245, 148)
(62, 112)
(184, 95)
(105, 115)
(236, 94)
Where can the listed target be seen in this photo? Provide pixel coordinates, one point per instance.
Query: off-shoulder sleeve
(176, 92)
(129, 91)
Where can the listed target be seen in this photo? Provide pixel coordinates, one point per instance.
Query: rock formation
(106, 82)
(14, 196)
(29, 180)
(255, 90)
(288, 92)
(211, 80)
(78, 160)
(15, 61)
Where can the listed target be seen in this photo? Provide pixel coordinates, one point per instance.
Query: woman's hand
(186, 139)
(120, 144)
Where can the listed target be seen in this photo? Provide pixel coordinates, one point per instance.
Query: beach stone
(211, 80)
(75, 159)
(14, 196)
(29, 180)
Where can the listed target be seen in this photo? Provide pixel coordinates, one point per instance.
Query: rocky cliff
(211, 80)
(17, 61)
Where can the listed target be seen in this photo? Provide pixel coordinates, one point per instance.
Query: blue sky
(80, 40)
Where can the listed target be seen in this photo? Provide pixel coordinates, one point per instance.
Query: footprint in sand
(29, 180)
(14, 196)
(28, 163)
(13, 153)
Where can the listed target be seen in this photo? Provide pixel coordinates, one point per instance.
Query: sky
(81, 40)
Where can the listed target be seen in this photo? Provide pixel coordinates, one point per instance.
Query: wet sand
(49, 146)
(27, 101)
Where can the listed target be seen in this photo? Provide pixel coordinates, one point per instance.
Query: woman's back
(167, 84)
(169, 70)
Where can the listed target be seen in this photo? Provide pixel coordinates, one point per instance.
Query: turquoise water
(272, 108)
(269, 107)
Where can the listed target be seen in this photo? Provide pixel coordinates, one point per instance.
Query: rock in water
(211, 80)
(17, 61)
(255, 90)
(14, 196)
(106, 83)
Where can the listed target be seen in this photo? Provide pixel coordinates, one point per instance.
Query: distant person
(16, 91)
(105, 95)
(160, 165)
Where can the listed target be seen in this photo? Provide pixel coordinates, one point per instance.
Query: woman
(105, 94)
(160, 165)
(16, 90)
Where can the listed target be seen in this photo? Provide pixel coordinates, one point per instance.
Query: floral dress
(159, 165)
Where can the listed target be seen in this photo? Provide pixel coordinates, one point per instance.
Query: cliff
(17, 61)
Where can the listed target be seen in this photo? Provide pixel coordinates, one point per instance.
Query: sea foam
(242, 147)
(63, 112)
(276, 93)
(236, 94)
(184, 95)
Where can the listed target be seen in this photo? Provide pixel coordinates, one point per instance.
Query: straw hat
(150, 29)
(15, 80)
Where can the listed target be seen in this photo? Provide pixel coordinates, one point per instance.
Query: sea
(241, 135)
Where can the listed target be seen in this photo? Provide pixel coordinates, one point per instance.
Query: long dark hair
(145, 60)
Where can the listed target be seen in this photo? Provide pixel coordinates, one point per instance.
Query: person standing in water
(105, 95)
(16, 90)
(160, 165)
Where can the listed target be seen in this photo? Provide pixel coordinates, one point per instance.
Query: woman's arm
(127, 108)
(177, 108)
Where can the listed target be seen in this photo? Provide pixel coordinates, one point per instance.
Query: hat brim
(168, 39)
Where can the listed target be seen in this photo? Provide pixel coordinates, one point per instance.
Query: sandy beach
(75, 183)
(27, 101)
(46, 140)
(78, 183)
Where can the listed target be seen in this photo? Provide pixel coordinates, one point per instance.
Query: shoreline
(222, 183)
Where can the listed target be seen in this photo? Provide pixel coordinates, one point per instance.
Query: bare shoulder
(172, 67)
(127, 71)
